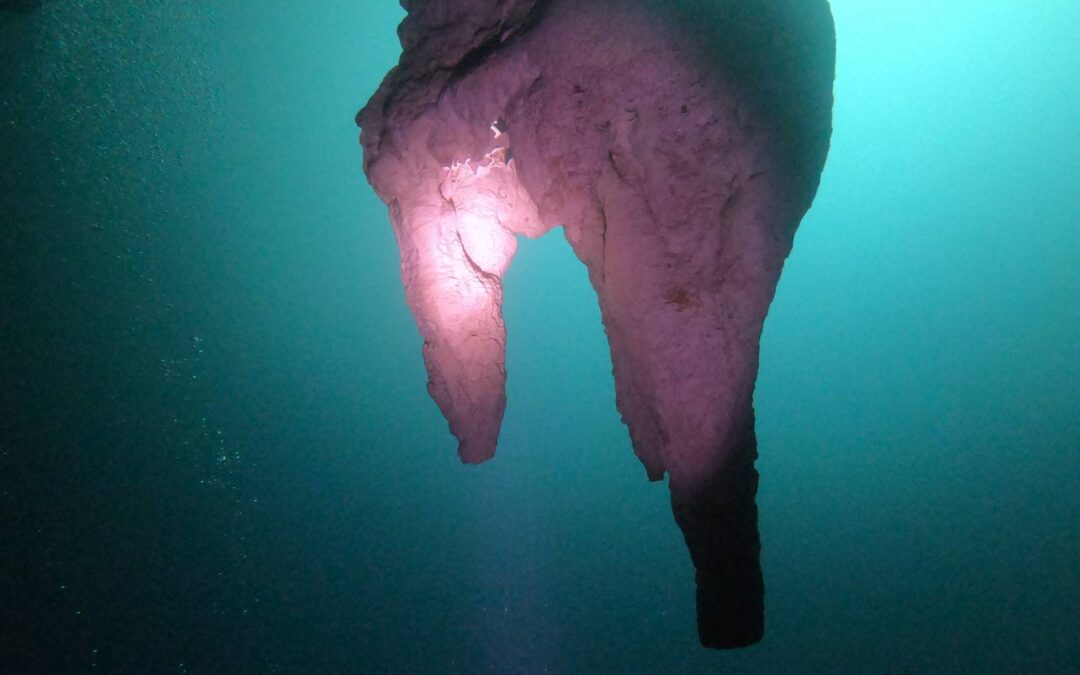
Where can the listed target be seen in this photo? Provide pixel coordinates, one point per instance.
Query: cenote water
(218, 455)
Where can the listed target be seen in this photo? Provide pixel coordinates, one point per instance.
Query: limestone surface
(679, 145)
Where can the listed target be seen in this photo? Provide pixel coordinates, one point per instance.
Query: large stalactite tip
(679, 144)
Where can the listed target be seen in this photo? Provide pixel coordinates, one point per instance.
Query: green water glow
(221, 456)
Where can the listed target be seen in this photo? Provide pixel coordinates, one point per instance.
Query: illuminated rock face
(679, 144)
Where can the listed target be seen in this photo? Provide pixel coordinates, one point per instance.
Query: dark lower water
(217, 454)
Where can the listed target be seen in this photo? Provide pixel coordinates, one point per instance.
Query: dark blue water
(217, 454)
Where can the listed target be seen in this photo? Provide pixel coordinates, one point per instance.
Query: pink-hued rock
(679, 144)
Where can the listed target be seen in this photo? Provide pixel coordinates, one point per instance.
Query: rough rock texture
(678, 144)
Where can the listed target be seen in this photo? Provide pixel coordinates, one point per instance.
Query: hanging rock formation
(678, 144)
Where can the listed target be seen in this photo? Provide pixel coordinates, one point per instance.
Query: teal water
(217, 454)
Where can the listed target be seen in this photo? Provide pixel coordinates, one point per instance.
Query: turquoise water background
(217, 453)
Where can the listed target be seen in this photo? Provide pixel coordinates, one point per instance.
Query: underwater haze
(218, 454)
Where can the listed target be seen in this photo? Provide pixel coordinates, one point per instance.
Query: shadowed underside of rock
(678, 144)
